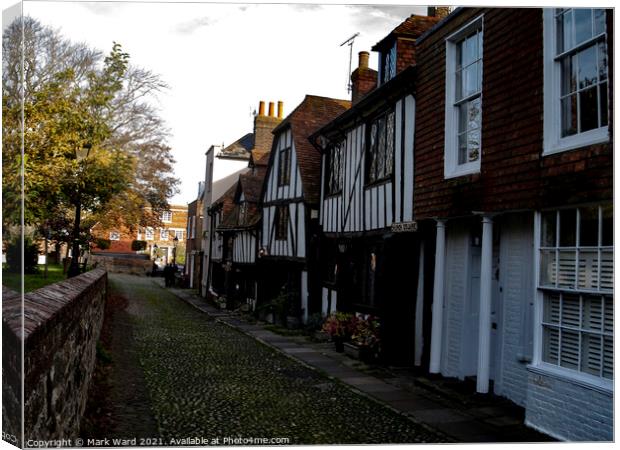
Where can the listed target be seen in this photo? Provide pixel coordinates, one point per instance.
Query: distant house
(223, 226)
(290, 207)
(193, 244)
(159, 239)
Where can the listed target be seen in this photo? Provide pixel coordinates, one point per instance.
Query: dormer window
(243, 210)
(387, 65)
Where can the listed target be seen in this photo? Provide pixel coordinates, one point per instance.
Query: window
(388, 64)
(576, 287)
(148, 234)
(193, 228)
(284, 166)
(463, 123)
(281, 223)
(115, 236)
(334, 169)
(179, 234)
(243, 209)
(166, 216)
(163, 234)
(380, 148)
(575, 77)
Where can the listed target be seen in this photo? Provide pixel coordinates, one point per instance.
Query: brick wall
(513, 174)
(115, 264)
(568, 411)
(363, 80)
(62, 323)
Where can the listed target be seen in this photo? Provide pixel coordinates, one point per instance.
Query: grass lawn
(33, 281)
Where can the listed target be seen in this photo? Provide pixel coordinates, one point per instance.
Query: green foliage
(102, 244)
(77, 102)
(137, 245)
(14, 255)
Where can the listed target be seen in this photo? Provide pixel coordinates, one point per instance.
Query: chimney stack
(264, 124)
(438, 11)
(363, 79)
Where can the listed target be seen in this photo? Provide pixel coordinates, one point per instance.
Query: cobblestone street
(204, 379)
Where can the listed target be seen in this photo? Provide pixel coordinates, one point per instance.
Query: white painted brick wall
(568, 411)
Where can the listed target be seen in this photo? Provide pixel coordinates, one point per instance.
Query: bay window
(463, 119)
(575, 284)
(575, 77)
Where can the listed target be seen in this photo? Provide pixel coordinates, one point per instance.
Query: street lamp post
(74, 269)
(174, 250)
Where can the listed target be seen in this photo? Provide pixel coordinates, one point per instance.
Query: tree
(74, 99)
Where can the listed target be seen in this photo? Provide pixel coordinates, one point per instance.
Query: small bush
(137, 245)
(103, 244)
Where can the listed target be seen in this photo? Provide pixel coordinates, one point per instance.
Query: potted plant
(339, 327)
(367, 338)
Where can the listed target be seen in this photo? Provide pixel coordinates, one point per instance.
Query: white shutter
(566, 268)
(569, 356)
(607, 270)
(551, 345)
(588, 269)
(608, 357)
(592, 351)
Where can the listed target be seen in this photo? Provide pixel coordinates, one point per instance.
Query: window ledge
(591, 137)
(462, 171)
(602, 385)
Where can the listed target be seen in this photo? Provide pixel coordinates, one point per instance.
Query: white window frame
(587, 380)
(179, 234)
(115, 236)
(165, 214)
(163, 234)
(451, 167)
(149, 234)
(552, 140)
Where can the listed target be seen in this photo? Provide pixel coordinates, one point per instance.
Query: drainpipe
(437, 322)
(484, 324)
(419, 311)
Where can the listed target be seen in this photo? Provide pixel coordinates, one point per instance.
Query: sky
(221, 59)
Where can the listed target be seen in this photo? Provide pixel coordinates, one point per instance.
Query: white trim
(538, 295)
(552, 142)
(451, 168)
(602, 385)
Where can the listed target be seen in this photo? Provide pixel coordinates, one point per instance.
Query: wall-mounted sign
(403, 227)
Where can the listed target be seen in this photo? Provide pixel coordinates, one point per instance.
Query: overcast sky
(221, 59)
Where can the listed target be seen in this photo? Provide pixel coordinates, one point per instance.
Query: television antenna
(349, 42)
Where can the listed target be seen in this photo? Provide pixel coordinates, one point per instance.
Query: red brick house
(517, 184)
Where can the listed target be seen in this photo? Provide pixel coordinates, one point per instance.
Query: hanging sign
(403, 227)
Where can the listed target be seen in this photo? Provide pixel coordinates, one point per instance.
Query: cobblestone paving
(208, 380)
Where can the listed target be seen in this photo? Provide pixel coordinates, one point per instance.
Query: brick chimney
(438, 11)
(363, 79)
(264, 124)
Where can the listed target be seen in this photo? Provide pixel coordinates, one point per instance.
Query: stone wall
(62, 323)
(116, 264)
